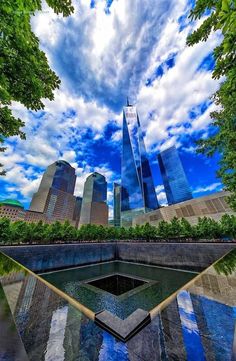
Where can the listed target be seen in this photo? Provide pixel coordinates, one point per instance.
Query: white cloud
(9, 158)
(110, 213)
(208, 188)
(203, 120)
(159, 188)
(100, 59)
(180, 89)
(18, 180)
(161, 195)
(117, 136)
(69, 156)
(99, 56)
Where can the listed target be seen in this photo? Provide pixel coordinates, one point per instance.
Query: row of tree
(40, 233)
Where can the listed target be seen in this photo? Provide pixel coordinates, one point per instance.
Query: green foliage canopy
(40, 233)
(25, 75)
(223, 18)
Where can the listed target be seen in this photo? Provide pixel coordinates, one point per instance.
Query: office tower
(174, 179)
(59, 176)
(77, 211)
(54, 197)
(137, 193)
(60, 205)
(117, 204)
(94, 209)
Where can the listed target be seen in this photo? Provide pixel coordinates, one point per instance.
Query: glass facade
(58, 176)
(117, 204)
(94, 208)
(77, 210)
(174, 179)
(64, 177)
(138, 192)
(95, 188)
(54, 197)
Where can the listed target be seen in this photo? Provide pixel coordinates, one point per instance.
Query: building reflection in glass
(174, 179)
(117, 204)
(192, 339)
(138, 193)
(54, 349)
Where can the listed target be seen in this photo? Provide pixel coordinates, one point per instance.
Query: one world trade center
(137, 192)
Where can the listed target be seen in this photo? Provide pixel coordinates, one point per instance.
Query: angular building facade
(94, 209)
(174, 179)
(117, 204)
(212, 206)
(77, 211)
(137, 193)
(54, 197)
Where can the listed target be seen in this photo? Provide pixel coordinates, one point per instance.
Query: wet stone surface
(36, 324)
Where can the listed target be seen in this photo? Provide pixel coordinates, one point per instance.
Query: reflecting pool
(39, 324)
(119, 287)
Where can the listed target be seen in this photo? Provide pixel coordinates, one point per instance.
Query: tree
(175, 227)
(89, 232)
(39, 231)
(207, 228)
(25, 75)
(122, 233)
(228, 225)
(163, 229)
(22, 232)
(5, 230)
(186, 228)
(138, 231)
(149, 232)
(222, 17)
(111, 233)
(69, 233)
(54, 232)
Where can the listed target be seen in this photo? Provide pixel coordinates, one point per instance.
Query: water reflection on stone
(11, 346)
(36, 324)
(227, 265)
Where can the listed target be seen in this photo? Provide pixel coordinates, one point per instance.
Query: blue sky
(105, 51)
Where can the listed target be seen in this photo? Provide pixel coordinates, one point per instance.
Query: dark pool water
(81, 283)
(117, 284)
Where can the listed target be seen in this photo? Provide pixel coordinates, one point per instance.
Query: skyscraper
(77, 211)
(117, 204)
(94, 208)
(174, 179)
(138, 193)
(55, 197)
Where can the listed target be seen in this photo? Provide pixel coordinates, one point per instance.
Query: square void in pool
(117, 284)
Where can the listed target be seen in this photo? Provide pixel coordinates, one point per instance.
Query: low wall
(189, 256)
(52, 257)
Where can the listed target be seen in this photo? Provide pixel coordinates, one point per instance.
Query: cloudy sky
(106, 50)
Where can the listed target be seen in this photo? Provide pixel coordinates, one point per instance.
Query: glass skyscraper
(94, 208)
(174, 179)
(77, 210)
(137, 192)
(54, 197)
(117, 204)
